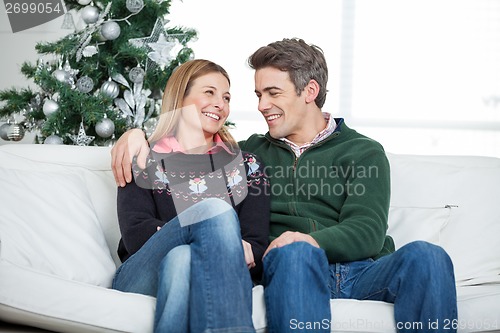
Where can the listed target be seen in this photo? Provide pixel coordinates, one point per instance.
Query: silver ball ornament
(110, 88)
(49, 107)
(134, 6)
(85, 84)
(84, 2)
(53, 140)
(4, 131)
(61, 75)
(136, 75)
(89, 14)
(110, 30)
(16, 132)
(105, 128)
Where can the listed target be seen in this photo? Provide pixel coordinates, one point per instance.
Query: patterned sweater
(175, 181)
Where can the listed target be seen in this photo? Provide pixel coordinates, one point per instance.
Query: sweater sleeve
(254, 211)
(137, 217)
(362, 223)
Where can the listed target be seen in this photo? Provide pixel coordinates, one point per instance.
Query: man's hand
(247, 248)
(131, 143)
(289, 237)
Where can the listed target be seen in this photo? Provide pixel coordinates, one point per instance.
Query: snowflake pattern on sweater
(190, 178)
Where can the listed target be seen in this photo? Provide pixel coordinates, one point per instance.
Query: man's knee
(425, 254)
(297, 253)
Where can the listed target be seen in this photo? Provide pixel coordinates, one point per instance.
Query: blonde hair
(177, 88)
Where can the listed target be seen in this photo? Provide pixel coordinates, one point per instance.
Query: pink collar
(169, 144)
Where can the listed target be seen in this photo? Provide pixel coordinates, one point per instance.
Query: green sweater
(337, 191)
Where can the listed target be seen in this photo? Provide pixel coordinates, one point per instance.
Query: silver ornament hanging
(82, 139)
(71, 72)
(89, 14)
(110, 88)
(68, 22)
(110, 30)
(61, 75)
(16, 132)
(84, 2)
(90, 50)
(53, 140)
(49, 107)
(134, 6)
(85, 84)
(4, 131)
(105, 128)
(136, 74)
(111, 142)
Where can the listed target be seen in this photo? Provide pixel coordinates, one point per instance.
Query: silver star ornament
(82, 139)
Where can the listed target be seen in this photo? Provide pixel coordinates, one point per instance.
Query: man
(330, 191)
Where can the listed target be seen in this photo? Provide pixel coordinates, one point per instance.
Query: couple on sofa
(197, 209)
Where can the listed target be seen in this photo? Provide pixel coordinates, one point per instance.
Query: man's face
(282, 109)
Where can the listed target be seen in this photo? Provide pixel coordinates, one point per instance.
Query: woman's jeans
(418, 279)
(197, 272)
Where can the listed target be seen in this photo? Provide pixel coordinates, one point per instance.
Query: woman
(195, 222)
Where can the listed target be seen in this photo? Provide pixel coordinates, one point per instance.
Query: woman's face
(206, 107)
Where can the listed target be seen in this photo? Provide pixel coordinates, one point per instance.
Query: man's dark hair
(302, 61)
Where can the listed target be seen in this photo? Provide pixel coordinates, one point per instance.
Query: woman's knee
(177, 260)
(205, 210)
(214, 206)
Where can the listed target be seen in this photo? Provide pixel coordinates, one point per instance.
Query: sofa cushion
(48, 222)
(471, 185)
(47, 301)
(425, 224)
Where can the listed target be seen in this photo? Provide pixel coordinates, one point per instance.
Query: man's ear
(311, 90)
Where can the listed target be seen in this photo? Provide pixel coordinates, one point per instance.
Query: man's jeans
(418, 279)
(214, 292)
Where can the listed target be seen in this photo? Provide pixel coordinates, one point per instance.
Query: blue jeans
(418, 279)
(211, 294)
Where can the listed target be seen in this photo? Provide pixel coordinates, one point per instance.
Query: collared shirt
(329, 129)
(169, 144)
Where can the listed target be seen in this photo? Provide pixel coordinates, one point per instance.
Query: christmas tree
(102, 79)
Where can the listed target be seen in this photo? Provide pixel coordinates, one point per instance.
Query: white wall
(230, 31)
(412, 74)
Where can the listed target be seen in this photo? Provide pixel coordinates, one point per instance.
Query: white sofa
(59, 234)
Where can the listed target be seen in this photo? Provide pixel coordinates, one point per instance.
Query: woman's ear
(311, 90)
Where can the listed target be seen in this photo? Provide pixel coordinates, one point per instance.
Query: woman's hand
(247, 248)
